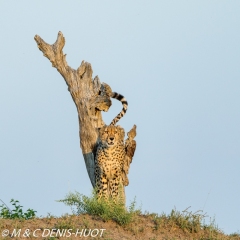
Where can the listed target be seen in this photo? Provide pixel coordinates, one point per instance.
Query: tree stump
(90, 97)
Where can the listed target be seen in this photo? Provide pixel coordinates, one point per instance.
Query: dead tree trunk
(85, 94)
(90, 97)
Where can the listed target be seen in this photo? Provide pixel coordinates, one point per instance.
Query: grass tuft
(107, 210)
(188, 221)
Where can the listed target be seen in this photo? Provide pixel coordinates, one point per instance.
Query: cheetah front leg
(101, 186)
(114, 188)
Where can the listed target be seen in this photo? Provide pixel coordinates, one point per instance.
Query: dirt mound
(143, 227)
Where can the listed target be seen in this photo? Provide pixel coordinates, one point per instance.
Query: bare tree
(89, 95)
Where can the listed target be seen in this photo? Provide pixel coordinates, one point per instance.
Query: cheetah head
(111, 135)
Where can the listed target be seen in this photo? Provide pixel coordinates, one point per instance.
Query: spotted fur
(109, 162)
(124, 102)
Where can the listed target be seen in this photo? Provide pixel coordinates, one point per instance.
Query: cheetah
(108, 91)
(109, 162)
(124, 102)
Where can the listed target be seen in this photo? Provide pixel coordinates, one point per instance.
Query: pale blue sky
(176, 62)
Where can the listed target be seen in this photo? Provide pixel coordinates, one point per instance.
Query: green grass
(188, 221)
(16, 212)
(106, 210)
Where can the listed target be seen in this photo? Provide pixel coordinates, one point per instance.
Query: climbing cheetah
(124, 102)
(109, 161)
(108, 91)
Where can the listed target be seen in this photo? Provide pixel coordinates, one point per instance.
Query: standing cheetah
(109, 161)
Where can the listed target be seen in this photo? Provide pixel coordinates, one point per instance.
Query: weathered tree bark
(89, 95)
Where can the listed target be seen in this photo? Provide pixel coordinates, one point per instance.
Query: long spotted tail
(124, 102)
